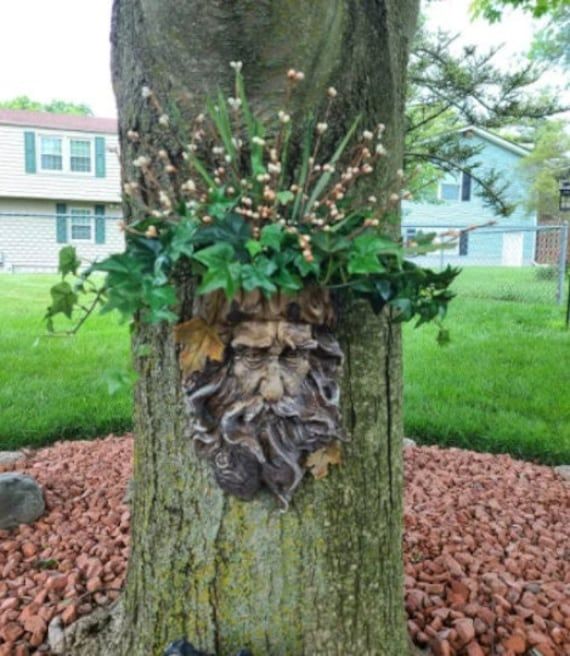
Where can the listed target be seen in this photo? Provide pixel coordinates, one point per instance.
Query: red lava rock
(465, 630)
(35, 624)
(516, 644)
(9, 604)
(474, 649)
(94, 584)
(29, 549)
(57, 583)
(493, 572)
(415, 599)
(11, 632)
(453, 566)
(81, 480)
(440, 647)
(497, 529)
(69, 615)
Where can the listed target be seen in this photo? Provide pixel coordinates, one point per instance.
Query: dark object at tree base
(185, 648)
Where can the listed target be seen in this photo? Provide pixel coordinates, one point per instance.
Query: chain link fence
(525, 264)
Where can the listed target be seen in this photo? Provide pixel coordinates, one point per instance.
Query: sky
(59, 49)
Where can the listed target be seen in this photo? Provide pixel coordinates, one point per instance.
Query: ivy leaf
(272, 236)
(223, 272)
(215, 256)
(221, 208)
(319, 461)
(285, 197)
(128, 274)
(257, 275)
(253, 279)
(182, 242)
(329, 243)
(253, 247)
(384, 289)
(404, 307)
(63, 299)
(68, 261)
(232, 230)
(226, 277)
(159, 300)
(287, 281)
(201, 343)
(364, 263)
(370, 244)
(306, 268)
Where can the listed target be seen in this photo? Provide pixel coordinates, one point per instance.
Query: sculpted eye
(292, 356)
(253, 357)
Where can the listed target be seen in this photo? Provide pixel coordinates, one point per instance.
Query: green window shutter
(61, 223)
(99, 224)
(30, 151)
(100, 157)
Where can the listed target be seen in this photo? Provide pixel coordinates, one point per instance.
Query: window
(51, 154)
(80, 155)
(81, 224)
(449, 191)
(69, 154)
(455, 187)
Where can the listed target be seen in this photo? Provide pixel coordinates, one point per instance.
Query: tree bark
(326, 577)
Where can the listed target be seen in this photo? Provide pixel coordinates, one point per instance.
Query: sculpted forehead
(265, 334)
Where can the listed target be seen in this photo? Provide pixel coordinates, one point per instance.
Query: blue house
(511, 242)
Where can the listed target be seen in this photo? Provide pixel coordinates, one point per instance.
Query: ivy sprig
(224, 256)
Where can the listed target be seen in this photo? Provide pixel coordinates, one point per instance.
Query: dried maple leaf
(318, 462)
(201, 343)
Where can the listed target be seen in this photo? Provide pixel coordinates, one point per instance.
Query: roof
(51, 121)
(496, 139)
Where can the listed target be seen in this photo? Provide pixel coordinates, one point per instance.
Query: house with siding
(59, 184)
(456, 205)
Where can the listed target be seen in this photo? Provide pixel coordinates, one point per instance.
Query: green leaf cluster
(303, 239)
(225, 256)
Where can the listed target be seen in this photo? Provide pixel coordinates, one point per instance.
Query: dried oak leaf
(318, 462)
(201, 343)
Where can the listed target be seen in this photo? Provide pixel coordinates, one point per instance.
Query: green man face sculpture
(272, 402)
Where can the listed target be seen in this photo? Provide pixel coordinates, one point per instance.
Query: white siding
(28, 243)
(16, 183)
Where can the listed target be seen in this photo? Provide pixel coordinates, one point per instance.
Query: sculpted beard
(271, 403)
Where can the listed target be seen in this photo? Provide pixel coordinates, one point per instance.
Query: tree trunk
(326, 576)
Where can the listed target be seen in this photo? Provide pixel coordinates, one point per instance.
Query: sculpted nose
(272, 386)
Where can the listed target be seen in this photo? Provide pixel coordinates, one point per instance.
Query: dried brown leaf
(201, 343)
(318, 462)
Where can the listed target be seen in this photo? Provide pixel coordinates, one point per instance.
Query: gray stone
(96, 634)
(21, 500)
(9, 457)
(56, 636)
(563, 471)
(408, 443)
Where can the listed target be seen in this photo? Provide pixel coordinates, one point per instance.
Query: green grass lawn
(54, 387)
(503, 384)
